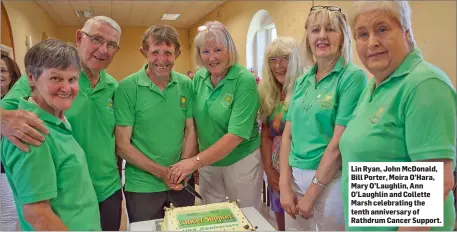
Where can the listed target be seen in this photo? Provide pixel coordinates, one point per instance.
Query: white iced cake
(212, 217)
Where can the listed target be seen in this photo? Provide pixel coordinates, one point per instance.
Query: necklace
(32, 101)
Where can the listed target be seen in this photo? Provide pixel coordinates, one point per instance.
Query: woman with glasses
(282, 66)
(225, 109)
(321, 106)
(409, 106)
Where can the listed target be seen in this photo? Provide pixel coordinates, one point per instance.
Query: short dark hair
(161, 34)
(13, 69)
(50, 53)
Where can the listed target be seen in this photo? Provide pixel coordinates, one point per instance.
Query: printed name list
(395, 194)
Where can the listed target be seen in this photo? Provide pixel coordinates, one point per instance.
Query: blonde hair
(214, 32)
(399, 10)
(269, 88)
(338, 21)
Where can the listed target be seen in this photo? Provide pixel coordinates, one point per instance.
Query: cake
(223, 216)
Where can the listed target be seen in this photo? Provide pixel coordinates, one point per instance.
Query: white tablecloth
(251, 214)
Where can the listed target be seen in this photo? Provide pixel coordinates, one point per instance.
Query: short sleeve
(20, 89)
(124, 105)
(294, 91)
(349, 93)
(32, 174)
(244, 112)
(430, 121)
(190, 101)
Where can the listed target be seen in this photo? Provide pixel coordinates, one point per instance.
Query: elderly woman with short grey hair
(51, 183)
(409, 106)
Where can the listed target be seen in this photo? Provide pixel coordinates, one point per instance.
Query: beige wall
(27, 19)
(129, 59)
(434, 25)
(437, 40)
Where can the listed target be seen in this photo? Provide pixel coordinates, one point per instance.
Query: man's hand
(168, 182)
(20, 127)
(179, 171)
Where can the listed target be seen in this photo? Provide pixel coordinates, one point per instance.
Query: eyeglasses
(97, 40)
(329, 8)
(278, 59)
(207, 27)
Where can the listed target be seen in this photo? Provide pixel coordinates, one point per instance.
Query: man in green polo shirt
(51, 185)
(91, 115)
(154, 127)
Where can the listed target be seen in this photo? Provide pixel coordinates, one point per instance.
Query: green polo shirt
(230, 107)
(409, 117)
(158, 121)
(316, 108)
(92, 119)
(55, 171)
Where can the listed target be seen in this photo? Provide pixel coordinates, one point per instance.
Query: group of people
(67, 124)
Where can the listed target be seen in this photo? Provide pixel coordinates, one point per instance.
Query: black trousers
(149, 206)
(110, 212)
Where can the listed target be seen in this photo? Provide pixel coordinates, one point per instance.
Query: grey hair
(399, 10)
(102, 20)
(50, 53)
(215, 32)
(338, 21)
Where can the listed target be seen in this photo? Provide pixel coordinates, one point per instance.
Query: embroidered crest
(227, 99)
(378, 114)
(183, 101)
(109, 106)
(327, 101)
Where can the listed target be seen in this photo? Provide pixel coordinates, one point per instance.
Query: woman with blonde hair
(320, 108)
(408, 107)
(225, 106)
(282, 66)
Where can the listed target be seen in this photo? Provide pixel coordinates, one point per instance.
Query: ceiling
(131, 13)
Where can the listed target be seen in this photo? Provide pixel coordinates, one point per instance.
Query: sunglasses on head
(329, 8)
(206, 27)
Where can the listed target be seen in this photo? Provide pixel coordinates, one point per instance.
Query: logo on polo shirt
(375, 118)
(327, 101)
(110, 105)
(183, 101)
(227, 100)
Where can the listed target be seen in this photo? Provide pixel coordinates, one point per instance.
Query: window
(263, 37)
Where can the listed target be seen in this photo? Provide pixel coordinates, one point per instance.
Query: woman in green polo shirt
(51, 183)
(408, 111)
(225, 107)
(322, 103)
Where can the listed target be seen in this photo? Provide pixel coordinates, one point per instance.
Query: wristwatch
(197, 158)
(316, 181)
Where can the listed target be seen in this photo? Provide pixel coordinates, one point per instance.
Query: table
(251, 214)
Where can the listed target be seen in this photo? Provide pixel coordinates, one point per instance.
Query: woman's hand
(289, 201)
(273, 178)
(179, 171)
(305, 206)
(20, 127)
